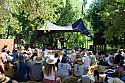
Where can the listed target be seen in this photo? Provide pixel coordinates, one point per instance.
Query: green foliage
(66, 14)
(27, 16)
(113, 16)
(94, 18)
(108, 16)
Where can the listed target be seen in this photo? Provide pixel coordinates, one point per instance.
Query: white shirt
(52, 76)
(86, 61)
(73, 57)
(3, 56)
(107, 59)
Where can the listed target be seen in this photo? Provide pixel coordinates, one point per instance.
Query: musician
(55, 43)
(62, 40)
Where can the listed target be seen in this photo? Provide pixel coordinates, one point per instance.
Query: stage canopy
(50, 28)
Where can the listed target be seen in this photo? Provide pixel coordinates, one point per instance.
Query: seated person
(88, 78)
(4, 79)
(70, 79)
(64, 68)
(110, 60)
(98, 79)
(120, 72)
(79, 68)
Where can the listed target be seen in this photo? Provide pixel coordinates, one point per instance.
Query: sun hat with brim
(22, 48)
(79, 61)
(9, 58)
(69, 52)
(83, 54)
(51, 60)
(4, 79)
(117, 80)
(114, 80)
(38, 59)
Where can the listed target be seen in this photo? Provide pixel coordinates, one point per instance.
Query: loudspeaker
(101, 41)
(98, 39)
(98, 35)
(19, 36)
(91, 46)
(17, 41)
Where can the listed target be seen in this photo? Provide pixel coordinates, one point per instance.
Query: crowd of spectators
(61, 66)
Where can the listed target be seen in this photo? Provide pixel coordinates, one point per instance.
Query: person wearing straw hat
(70, 79)
(50, 71)
(9, 68)
(79, 68)
(114, 80)
(36, 73)
(4, 79)
(22, 49)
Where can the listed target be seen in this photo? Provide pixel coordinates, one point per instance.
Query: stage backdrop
(9, 42)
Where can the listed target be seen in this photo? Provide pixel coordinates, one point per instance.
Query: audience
(54, 66)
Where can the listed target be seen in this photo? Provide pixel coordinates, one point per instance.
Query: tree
(108, 16)
(113, 16)
(94, 18)
(24, 16)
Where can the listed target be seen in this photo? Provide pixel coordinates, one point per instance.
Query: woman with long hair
(50, 71)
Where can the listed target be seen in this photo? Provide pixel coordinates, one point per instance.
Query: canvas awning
(52, 27)
(49, 27)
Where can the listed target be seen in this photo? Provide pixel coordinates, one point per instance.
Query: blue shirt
(79, 70)
(15, 56)
(22, 72)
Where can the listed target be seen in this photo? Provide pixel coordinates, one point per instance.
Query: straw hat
(51, 60)
(96, 67)
(117, 80)
(22, 48)
(38, 59)
(114, 80)
(9, 58)
(83, 54)
(69, 52)
(4, 79)
(79, 61)
(5, 44)
(91, 70)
